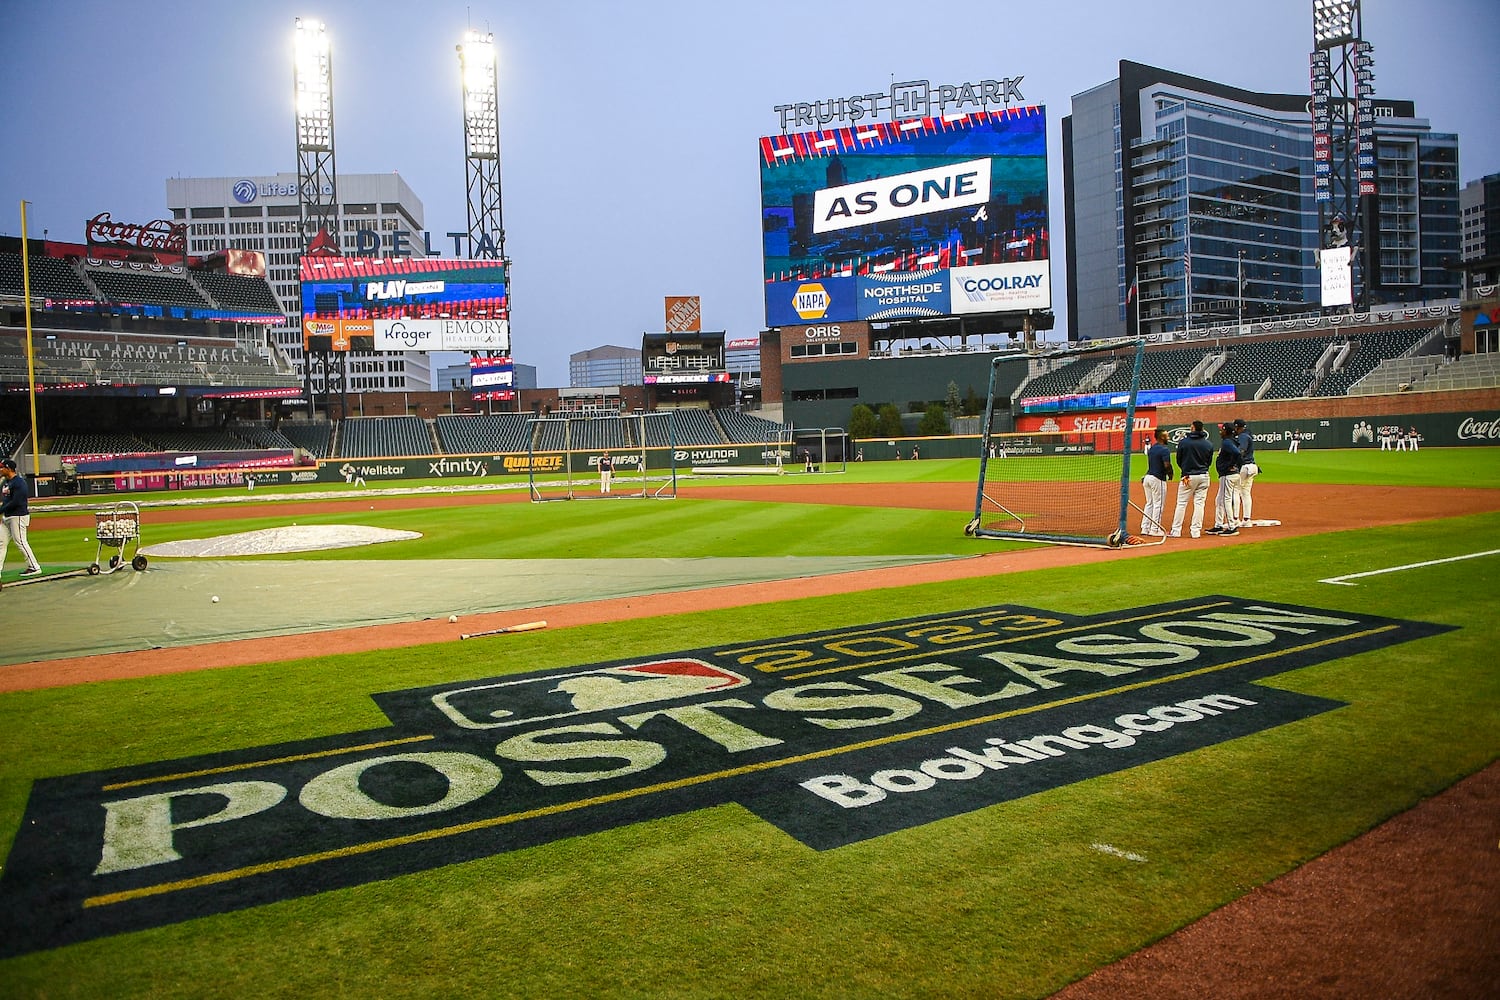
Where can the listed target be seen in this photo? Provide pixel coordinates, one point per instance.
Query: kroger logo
(244, 192)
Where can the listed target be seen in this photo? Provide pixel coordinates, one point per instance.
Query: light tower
(1343, 125)
(476, 56)
(317, 187)
(312, 82)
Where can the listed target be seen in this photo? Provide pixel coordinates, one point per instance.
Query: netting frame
(1118, 535)
(579, 465)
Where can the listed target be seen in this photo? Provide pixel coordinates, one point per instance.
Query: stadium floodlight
(1334, 22)
(313, 82)
(477, 61)
(481, 118)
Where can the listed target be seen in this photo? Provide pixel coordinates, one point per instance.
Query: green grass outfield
(1012, 900)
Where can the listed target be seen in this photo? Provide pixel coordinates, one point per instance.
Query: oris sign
(848, 340)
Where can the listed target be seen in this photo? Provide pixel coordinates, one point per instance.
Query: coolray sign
(901, 294)
(905, 100)
(834, 737)
(1002, 287)
(442, 335)
(901, 196)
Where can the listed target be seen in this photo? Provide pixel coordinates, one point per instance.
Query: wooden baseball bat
(523, 627)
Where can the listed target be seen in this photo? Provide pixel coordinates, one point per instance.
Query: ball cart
(118, 528)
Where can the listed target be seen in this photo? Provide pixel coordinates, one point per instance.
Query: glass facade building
(605, 366)
(1191, 203)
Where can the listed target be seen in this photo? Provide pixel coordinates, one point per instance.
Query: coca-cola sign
(156, 236)
(1479, 430)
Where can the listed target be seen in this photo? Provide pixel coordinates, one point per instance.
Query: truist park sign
(907, 100)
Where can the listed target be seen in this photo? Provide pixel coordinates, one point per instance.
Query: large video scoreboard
(405, 304)
(924, 217)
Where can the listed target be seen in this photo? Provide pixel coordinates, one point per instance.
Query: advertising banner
(1002, 287)
(789, 303)
(1338, 282)
(899, 294)
(404, 288)
(442, 335)
(684, 314)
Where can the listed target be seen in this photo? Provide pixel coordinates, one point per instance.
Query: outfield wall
(1442, 419)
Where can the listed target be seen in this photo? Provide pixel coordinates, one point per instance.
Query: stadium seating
(745, 428)
(314, 436)
(237, 293)
(695, 428)
(96, 443)
(195, 439)
(1060, 381)
(1159, 369)
(125, 285)
(1472, 371)
(1369, 350)
(483, 433)
(260, 434)
(51, 278)
(1289, 364)
(384, 437)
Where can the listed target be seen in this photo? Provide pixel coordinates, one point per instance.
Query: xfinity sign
(902, 196)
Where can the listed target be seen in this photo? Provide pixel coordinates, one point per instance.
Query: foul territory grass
(1011, 900)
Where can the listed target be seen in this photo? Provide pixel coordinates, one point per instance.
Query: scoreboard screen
(925, 217)
(406, 304)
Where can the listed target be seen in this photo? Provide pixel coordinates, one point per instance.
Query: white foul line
(1396, 569)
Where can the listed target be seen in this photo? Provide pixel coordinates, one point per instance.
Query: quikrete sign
(834, 737)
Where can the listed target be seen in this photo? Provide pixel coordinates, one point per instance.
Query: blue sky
(628, 130)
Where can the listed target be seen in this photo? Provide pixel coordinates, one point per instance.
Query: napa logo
(811, 300)
(244, 191)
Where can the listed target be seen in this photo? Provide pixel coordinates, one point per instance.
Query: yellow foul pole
(36, 466)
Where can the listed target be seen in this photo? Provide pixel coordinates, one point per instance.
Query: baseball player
(15, 516)
(1227, 499)
(1158, 474)
(1194, 454)
(606, 472)
(1248, 468)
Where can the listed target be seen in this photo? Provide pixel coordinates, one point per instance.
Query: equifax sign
(833, 736)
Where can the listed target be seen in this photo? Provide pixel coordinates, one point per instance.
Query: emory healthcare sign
(834, 737)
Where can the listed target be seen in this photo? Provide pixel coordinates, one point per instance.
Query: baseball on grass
(215, 598)
(452, 619)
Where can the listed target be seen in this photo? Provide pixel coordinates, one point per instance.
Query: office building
(263, 213)
(1479, 203)
(605, 366)
(1201, 196)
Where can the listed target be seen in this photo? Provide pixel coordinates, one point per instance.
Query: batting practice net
(563, 461)
(1067, 483)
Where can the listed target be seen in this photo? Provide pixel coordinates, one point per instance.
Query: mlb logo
(562, 696)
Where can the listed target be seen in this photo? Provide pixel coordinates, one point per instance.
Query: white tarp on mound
(273, 541)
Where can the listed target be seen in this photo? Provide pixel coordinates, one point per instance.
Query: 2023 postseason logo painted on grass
(834, 737)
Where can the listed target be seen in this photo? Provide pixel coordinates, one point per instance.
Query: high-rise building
(605, 366)
(1199, 197)
(1479, 203)
(263, 213)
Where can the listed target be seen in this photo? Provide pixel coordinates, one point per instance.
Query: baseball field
(781, 737)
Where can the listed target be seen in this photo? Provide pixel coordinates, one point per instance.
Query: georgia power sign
(834, 737)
